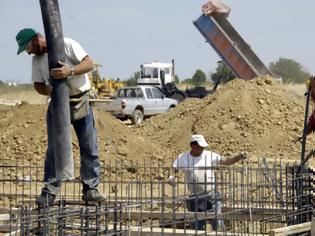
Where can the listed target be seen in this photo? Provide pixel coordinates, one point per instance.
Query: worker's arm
(66, 70)
(308, 130)
(172, 178)
(310, 127)
(42, 88)
(310, 124)
(173, 172)
(232, 160)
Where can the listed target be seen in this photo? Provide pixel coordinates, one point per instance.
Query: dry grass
(297, 90)
(24, 93)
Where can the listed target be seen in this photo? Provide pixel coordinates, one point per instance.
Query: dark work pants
(89, 155)
(203, 204)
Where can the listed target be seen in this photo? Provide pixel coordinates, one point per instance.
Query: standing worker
(77, 63)
(197, 166)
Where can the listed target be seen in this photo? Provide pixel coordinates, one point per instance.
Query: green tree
(133, 79)
(177, 81)
(187, 81)
(222, 72)
(289, 70)
(199, 77)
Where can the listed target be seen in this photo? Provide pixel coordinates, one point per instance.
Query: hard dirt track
(258, 116)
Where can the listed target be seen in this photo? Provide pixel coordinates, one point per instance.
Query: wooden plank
(7, 228)
(293, 229)
(4, 217)
(16, 232)
(313, 226)
(135, 231)
(165, 232)
(12, 210)
(157, 231)
(101, 100)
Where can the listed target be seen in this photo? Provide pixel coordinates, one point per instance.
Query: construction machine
(103, 88)
(227, 42)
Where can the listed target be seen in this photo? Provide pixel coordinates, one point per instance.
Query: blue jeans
(203, 203)
(89, 162)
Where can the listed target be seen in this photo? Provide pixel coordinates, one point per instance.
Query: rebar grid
(255, 198)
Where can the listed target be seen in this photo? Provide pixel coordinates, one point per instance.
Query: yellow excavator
(103, 88)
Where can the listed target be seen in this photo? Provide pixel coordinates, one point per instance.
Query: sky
(122, 34)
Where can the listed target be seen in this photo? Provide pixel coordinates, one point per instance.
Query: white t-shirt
(74, 54)
(199, 175)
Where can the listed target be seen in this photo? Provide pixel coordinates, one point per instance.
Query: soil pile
(23, 137)
(256, 116)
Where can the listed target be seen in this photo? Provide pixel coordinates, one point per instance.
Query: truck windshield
(130, 93)
(146, 72)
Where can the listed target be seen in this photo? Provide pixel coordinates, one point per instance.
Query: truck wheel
(137, 117)
(178, 97)
(169, 109)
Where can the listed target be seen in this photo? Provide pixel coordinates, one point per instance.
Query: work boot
(92, 195)
(45, 199)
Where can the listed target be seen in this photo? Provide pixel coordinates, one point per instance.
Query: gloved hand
(61, 72)
(172, 181)
(243, 156)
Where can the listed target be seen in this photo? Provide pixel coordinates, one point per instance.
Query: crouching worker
(197, 165)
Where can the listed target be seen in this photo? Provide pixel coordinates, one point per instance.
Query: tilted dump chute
(227, 42)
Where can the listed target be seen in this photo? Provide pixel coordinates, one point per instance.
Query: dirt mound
(23, 95)
(23, 137)
(256, 116)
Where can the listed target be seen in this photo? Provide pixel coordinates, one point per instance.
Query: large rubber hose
(60, 94)
(304, 135)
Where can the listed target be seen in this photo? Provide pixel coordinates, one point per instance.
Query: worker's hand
(48, 89)
(172, 181)
(62, 72)
(160, 178)
(242, 156)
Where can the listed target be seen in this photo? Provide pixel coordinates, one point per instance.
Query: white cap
(199, 139)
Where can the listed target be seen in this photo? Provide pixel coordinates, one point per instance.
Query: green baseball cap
(23, 38)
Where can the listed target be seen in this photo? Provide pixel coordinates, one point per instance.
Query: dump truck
(225, 40)
(228, 43)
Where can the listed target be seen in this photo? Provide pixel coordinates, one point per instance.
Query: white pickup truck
(138, 102)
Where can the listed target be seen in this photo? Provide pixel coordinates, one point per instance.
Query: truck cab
(156, 74)
(162, 76)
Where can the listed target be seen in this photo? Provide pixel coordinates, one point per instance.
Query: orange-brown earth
(258, 116)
